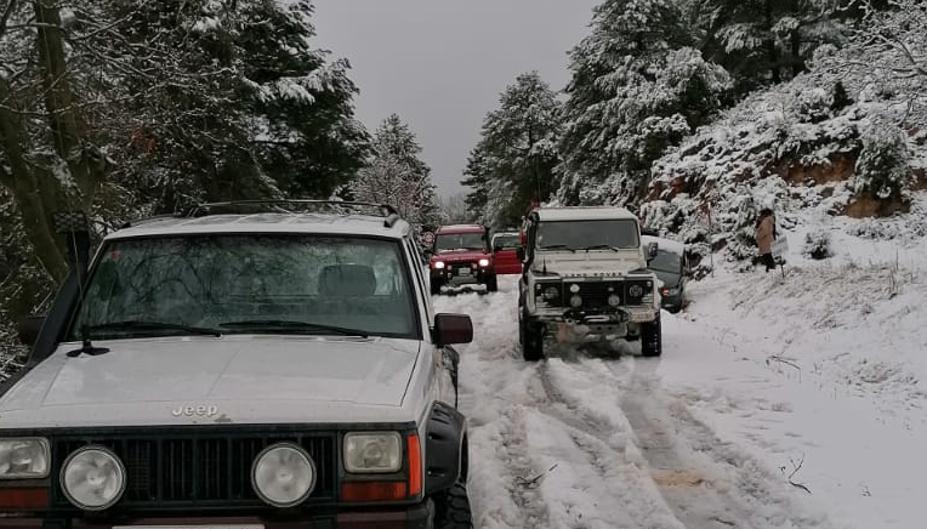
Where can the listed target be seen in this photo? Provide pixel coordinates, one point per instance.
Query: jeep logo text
(195, 411)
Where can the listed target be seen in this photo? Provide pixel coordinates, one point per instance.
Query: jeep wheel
(532, 340)
(652, 338)
(452, 508)
(435, 287)
(492, 283)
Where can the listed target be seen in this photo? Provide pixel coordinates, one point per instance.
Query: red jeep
(461, 255)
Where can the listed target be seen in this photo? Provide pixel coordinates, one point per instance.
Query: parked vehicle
(461, 255)
(671, 267)
(505, 248)
(586, 269)
(242, 367)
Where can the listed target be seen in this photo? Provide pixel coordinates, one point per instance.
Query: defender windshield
(588, 235)
(248, 284)
(447, 242)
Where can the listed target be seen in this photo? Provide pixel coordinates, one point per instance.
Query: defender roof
(584, 213)
(278, 217)
(461, 228)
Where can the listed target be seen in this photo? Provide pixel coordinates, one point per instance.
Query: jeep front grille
(199, 470)
(595, 294)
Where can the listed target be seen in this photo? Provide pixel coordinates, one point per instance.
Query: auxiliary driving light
(283, 475)
(93, 478)
(574, 288)
(576, 302)
(614, 300)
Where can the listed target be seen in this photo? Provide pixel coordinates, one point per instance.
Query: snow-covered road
(699, 439)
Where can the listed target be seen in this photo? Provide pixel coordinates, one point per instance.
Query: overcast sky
(441, 64)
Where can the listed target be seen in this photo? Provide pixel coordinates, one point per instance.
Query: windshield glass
(581, 235)
(667, 262)
(506, 242)
(460, 241)
(248, 284)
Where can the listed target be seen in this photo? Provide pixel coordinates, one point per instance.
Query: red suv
(461, 255)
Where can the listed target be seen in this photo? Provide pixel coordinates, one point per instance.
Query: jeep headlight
(26, 458)
(283, 475)
(373, 453)
(93, 478)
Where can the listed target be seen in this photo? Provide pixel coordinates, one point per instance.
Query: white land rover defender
(250, 365)
(586, 269)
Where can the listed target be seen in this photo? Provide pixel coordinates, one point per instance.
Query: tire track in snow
(709, 484)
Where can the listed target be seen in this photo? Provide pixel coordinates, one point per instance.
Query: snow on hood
(235, 378)
(593, 263)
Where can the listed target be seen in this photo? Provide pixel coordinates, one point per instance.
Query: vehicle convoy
(585, 270)
(505, 247)
(672, 269)
(461, 255)
(249, 365)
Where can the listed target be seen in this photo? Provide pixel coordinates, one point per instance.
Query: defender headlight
(373, 453)
(439, 265)
(636, 291)
(93, 478)
(25, 458)
(484, 263)
(283, 475)
(551, 293)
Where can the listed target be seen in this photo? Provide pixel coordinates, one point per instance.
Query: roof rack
(295, 206)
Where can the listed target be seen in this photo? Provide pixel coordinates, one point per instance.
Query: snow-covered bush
(883, 168)
(817, 246)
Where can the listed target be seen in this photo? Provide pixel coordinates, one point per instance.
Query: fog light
(574, 288)
(576, 302)
(93, 478)
(614, 300)
(283, 475)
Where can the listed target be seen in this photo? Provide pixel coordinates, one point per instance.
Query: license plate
(463, 271)
(180, 526)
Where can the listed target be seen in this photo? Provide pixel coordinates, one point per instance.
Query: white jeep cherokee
(585, 269)
(249, 365)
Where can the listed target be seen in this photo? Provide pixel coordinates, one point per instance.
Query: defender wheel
(492, 283)
(652, 339)
(435, 287)
(452, 508)
(532, 341)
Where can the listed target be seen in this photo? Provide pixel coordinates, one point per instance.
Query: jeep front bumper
(420, 516)
(566, 324)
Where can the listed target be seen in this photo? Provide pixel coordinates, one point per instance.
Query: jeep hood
(247, 379)
(585, 264)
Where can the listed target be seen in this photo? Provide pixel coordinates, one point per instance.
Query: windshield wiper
(142, 325)
(290, 326)
(558, 247)
(602, 247)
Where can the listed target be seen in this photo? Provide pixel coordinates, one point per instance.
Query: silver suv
(245, 365)
(585, 272)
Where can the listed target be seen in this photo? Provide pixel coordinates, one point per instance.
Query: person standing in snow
(765, 235)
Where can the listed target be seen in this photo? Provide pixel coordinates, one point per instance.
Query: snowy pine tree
(636, 90)
(395, 175)
(514, 163)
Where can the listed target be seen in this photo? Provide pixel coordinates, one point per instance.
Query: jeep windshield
(579, 235)
(449, 242)
(257, 284)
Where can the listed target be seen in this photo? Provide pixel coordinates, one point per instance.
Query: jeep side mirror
(652, 250)
(28, 329)
(451, 329)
